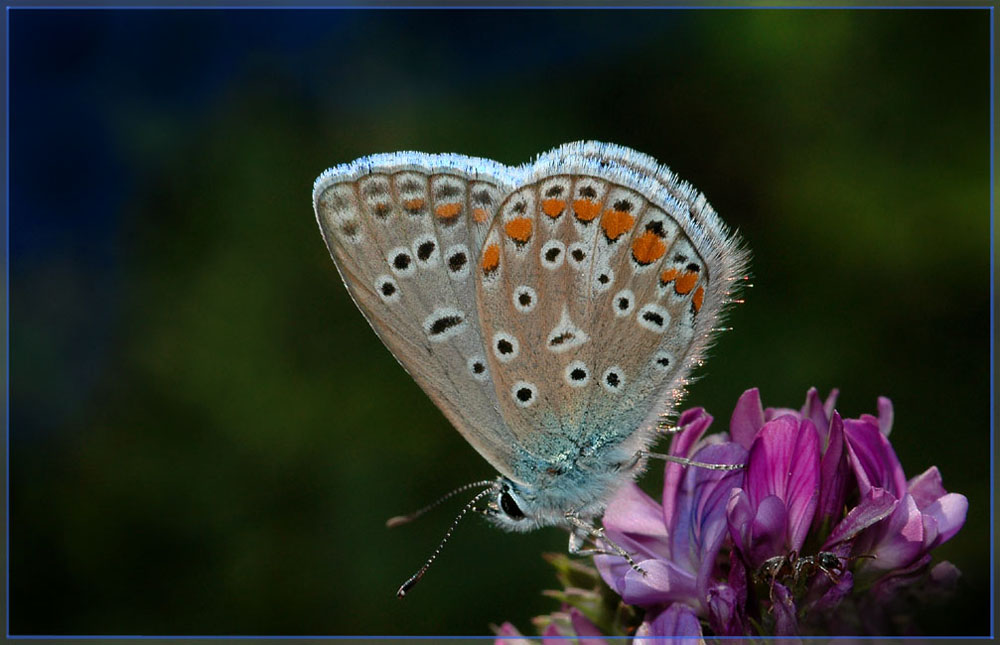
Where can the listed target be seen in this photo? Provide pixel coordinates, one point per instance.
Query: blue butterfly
(553, 311)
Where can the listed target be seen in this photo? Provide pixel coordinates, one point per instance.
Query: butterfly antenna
(415, 578)
(399, 520)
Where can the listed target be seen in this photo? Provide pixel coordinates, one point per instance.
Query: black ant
(800, 569)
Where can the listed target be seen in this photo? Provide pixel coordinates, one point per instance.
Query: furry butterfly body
(553, 311)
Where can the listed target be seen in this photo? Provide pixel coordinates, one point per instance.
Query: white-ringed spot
(654, 318)
(401, 262)
(525, 298)
(576, 255)
(505, 347)
(524, 393)
(576, 374)
(387, 288)
(456, 258)
(613, 379)
(603, 280)
(444, 323)
(623, 303)
(565, 335)
(425, 249)
(477, 368)
(552, 254)
(663, 360)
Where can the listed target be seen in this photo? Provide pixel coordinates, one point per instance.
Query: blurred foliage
(206, 437)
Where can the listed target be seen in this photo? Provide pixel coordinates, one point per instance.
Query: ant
(800, 569)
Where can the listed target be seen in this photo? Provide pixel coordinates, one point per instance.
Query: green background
(206, 437)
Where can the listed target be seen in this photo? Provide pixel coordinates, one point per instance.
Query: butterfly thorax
(550, 490)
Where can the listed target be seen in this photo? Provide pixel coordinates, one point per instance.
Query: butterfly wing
(599, 285)
(405, 231)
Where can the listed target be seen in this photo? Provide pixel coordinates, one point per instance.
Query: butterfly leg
(583, 531)
(685, 461)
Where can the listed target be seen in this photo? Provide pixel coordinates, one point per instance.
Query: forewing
(626, 280)
(405, 231)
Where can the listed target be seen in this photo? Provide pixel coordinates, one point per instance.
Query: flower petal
(944, 575)
(723, 611)
(899, 538)
(834, 473)
(885, 415)
(926, 487)
(770, 414)
(634, 521)
(876, 507)
(835, 594)
(739, 514)
(872, 458)
(612, 569)
(676, 622)
(662, 583)
(949, 513)
(695, 422)
(584, 628)
(768, 531)
(831, 402)
(632, 514)
(507, 634)
(783, 606)
(707, 494)
(747, 419)
(814, 410)
(784, 462)
(802, 494)
(552, 635)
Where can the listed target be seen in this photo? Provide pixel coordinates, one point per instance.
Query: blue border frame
(992, 326)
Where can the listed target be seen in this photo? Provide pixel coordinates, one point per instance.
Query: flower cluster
(819, 533)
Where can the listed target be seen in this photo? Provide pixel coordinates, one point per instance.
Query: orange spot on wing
(491, 258)
(586, 210)
(667, 276)
(413, 205)
(698, 298)
(616, 223)
(686, 282)
(479, 214)
(648, 248)
(553, 207)
(448, 211)
(519, 229)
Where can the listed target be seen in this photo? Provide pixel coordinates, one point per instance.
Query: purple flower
(560, 626)
(749, 416)
(676, 543)
(820, 532)
(771, 515)
(675, 622)
(507, 634)
(897, 522)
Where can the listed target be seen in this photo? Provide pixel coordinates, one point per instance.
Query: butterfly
(553, 311)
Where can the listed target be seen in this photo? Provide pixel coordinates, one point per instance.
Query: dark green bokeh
(243, 434)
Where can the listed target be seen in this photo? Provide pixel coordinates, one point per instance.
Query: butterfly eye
(510, 507)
